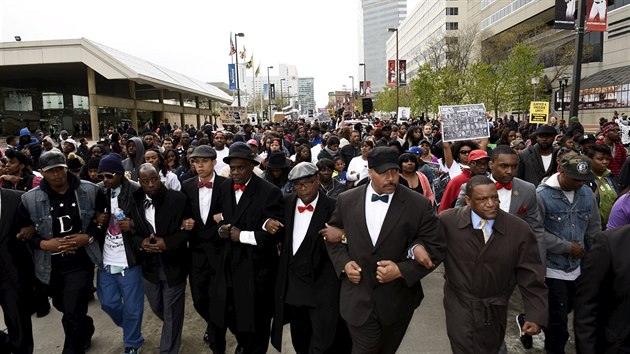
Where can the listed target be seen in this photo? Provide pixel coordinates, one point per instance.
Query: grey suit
(524, 205)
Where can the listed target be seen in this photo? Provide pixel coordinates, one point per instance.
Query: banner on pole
(232, 76)
(597, 11)
(566, 13)
(402, 72)
(391, 73)
(538, 112)
(464, 122)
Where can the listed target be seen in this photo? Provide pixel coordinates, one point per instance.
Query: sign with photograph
(538, 112)
(464, 122)
(403, 114)
(233, 115)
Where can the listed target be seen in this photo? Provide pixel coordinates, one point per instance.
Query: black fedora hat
(240, 150)
(277, 160)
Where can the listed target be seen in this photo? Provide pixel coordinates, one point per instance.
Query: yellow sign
(539, 112)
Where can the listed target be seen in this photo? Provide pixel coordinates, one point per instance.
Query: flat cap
(382, 158)
(204, 151)
(303, 169)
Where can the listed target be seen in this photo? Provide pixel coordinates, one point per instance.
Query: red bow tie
(506, 186)
(239, 186)
(309, 207)
(204, 184)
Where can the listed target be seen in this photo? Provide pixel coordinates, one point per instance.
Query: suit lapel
(317, 221)
(391, 218)
(289, 223)
(246, 198)
(515, 197)
(194, 191)
(359, 216)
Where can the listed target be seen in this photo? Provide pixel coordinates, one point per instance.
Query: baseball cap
(51, 160)
(415, 150)
(477, 155)
(252, 142)
(578, 167)
(382, 159)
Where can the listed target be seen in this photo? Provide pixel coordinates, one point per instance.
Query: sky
(193, 37)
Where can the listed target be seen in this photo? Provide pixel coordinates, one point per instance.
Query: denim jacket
(38, 205)
(566, 221)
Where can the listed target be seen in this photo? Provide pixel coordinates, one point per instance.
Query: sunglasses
(465, 152)
(104, 176)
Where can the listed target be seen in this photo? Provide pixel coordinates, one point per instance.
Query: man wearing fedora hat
(375, 233)
(242, 289)
(203, 200)
(307, 288)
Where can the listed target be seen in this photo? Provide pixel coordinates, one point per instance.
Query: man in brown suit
(482, 264)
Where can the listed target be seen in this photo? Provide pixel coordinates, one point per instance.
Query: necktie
(204, 184)
(309, 207)
(239, 186)
(148, 203)
(383, 198)
(486, 234)
(506, 186)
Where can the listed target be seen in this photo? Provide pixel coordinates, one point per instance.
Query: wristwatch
(90, 240)
(344, 239)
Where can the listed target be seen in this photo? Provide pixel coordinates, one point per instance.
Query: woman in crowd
(416, 180)
(172, 159)
(277, 168)
(330, 150)
(154, 157)
(412, 137)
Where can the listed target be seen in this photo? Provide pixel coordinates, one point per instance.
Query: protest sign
(538, 112)
(464, 122)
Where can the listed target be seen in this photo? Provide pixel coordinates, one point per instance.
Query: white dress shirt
(375, 213)
(505, 197)
(205, 198)
(301, 223)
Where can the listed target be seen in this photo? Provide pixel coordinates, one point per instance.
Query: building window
(452, 11)
(452, 26)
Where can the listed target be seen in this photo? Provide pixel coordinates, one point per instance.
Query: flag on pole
(232, 48)
(257, 71)
(242, 54)
(250, 63)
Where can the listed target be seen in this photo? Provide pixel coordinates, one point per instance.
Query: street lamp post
(397, 68)
(269, 91)
(535, 82)
(364, 80)
(238, 90)
(352, 92)
(282, 94)
(563, 81)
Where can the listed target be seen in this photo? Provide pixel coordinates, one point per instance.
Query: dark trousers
(16, 306)
(375, 338)
(200, 278)
(561, 299)
(70, 291)
(314, 332)
(167, 302)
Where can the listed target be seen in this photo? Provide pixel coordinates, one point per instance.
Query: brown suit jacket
(410, 219)
(480, 278)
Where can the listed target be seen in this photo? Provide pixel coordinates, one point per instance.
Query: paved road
(426, 334)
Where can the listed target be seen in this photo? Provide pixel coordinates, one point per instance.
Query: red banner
(365, 90)
(391, 73)
(596, 15)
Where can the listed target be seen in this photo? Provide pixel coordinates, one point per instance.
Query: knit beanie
(111, 163)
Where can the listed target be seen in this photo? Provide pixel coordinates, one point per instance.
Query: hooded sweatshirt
(131, 165)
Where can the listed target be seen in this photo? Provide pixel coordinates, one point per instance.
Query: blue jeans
(122, 298)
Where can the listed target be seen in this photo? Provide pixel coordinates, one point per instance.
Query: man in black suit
(160, 234)
(242, 290)
(16, 275)
(602, 305)
(203, 199)
(385, 226)
(307, 288)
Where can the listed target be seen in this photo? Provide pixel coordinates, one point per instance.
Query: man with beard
(68, 215)
(243, 286)
(538, 161)
(221, 150)
(161, 235)
(612, 138)
(351, 150)
(135, 158)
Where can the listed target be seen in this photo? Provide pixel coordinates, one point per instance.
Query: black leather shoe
(526, 339)
(88, 343)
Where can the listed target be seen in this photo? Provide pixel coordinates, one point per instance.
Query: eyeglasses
(303, 184)
(103, 176)
(465, 152)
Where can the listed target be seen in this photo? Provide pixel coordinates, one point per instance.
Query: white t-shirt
(220, 155)
(114, 246)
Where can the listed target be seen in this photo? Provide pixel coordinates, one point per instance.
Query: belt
(112, 269)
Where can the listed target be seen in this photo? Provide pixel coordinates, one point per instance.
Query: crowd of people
(326, 226)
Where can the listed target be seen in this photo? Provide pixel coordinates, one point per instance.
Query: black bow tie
(148, 203)
(383, 198)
